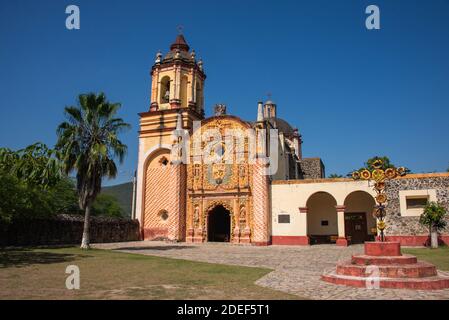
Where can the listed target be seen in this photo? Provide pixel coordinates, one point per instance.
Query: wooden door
(356, 226)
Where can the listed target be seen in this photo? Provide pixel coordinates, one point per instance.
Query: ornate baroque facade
(195, 200)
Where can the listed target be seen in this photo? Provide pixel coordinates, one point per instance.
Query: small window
(163, 214)
(324, 223)
(284, 218)
(163, 161)
(416, 203)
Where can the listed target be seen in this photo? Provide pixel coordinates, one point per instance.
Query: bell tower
(178, 79)
(177, 100)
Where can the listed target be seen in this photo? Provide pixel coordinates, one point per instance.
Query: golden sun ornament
(379, 176)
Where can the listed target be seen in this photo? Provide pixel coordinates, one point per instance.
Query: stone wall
(311, 168)
(67, 229)
(398, 225)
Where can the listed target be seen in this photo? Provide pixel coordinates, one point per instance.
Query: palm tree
(88, 144)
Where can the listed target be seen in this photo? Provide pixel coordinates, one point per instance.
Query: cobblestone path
(296, 269)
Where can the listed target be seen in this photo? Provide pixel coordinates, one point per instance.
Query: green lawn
(439, 257)
(40, 274)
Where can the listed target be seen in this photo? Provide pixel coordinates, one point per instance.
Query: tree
(29, 180)
(88, 144)
(433, 218)
(20, 200)
(335, 175)
(107, 205)
(35, 165)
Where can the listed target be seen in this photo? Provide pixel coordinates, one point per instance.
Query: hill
(124, 194)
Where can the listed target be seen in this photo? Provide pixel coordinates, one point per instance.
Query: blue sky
(352, 93)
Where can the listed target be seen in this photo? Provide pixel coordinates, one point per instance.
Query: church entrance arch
(219, 224)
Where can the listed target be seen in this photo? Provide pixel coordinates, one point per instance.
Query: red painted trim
(291, 240)
(302, 209)
(387, 248)
(153, 233)
(342, 242)
(417, 241)
(261, 243)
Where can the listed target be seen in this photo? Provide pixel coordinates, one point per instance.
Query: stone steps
(383, 260)
(383, 266)
(427, 283)
(412, 270)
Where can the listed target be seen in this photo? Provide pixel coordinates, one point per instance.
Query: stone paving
(296, 269)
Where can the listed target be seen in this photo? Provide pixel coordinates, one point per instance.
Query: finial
(193, 54)
(158, 56)
(200, 64)
(259, 111)
(220, 109)
(180, 29)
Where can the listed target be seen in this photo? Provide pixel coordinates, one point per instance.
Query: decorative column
(193, 210)
(192, 101)
(245, 235)
(236, 217)
(198, 235)
(341, 241)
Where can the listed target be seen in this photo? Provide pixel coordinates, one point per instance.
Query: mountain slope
(124, 194)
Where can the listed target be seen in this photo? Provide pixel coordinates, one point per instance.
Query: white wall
(289, 196)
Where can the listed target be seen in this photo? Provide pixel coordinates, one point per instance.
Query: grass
(40, 274)
(439, 257)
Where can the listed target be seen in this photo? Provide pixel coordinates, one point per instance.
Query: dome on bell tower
(178, 79)
(180, 43)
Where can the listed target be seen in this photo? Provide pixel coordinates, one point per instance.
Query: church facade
(227, 179)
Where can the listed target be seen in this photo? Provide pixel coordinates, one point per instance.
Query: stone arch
(211, 205)
(219, 222)
(152, 158)
(164, 88)
(141, 176)
(361, 203)
(322, 222)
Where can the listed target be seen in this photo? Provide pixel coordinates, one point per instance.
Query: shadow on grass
(160, 248)
(25, 257)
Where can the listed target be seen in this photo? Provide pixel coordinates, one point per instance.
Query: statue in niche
(242, 217)
(176, 151)
(196, 216)
(166, 97)
(197, 171)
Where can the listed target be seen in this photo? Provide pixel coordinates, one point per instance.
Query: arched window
(165, 90)
(163, 161)
(163, 215)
